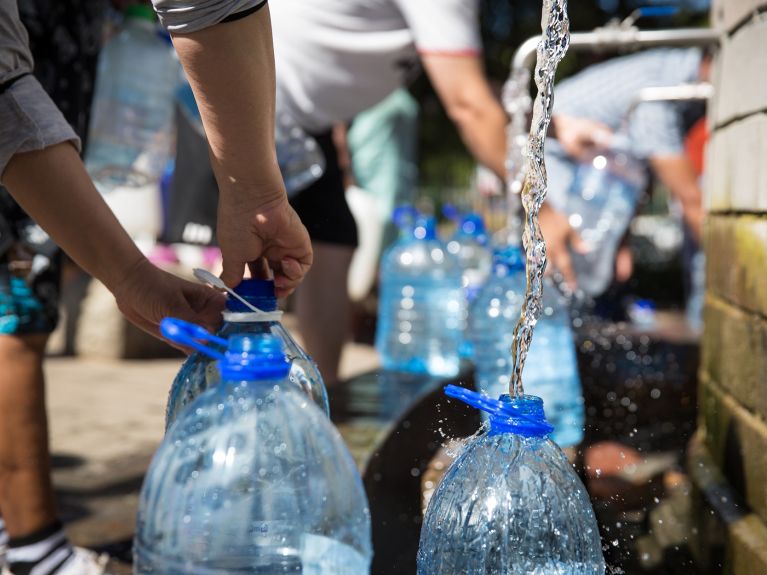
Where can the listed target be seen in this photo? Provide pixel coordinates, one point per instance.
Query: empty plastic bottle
(199, 372)
(551, 369)
(131, 128)
(422, 308)
(469, 243)
(252, 479)
(511, 503)
(600, 204)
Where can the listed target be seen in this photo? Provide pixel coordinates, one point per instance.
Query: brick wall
(728, 458)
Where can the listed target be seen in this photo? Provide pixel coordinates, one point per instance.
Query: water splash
(552, 47)
(517, 103)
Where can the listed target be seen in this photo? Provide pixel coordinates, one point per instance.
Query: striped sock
(41, 553)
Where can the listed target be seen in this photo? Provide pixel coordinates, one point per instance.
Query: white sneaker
(82, 562)
(85, 562)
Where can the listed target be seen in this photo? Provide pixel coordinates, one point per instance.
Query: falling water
(517, 103)
(551, 49)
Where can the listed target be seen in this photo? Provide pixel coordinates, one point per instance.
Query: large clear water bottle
(198, 372)
(600, 204)
(252, 479)
(131, 128)
(469, 243)
(551, 369)
(422, 308)
(511, 503)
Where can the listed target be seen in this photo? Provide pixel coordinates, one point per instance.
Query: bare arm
(462, 87)
(53, 186)
(230, 67)
(677, 173)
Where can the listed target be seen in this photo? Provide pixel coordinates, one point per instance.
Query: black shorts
(322, 206)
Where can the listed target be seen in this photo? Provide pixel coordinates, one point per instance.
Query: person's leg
(323, 307)
(26, 493)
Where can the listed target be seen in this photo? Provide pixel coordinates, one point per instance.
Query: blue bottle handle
(657, 11)
(501, 412)
(191, 335)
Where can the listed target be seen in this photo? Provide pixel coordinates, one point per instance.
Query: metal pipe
(616, 37)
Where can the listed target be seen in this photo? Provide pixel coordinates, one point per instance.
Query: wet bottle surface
(198, 372)
(600, 204)
(422, 308)
(510, 504)
(551, 370)
(234, 490)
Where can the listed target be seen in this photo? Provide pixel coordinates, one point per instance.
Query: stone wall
(728, 457)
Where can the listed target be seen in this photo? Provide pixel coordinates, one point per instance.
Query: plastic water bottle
(252, 479)
(131, 129)
(600, 204)
(198, 372)
(422, 308)
(697, 296)
(551, 370)
(469, 244)
(511, 503)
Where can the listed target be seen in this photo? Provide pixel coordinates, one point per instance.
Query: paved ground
(106, 420)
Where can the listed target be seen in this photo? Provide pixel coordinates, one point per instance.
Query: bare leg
(26, 493)
(323, 307)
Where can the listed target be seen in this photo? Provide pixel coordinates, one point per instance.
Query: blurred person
(336, 58)
(605, 93)
(42, 170)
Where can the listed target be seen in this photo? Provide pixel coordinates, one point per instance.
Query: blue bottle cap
(425, 228)
(521, 415)
(511, 258)
(260, 293)
(253, 357)
(473, 225)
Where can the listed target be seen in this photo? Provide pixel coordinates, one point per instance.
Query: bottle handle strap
(191, 335)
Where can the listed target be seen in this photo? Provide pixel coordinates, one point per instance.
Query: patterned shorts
(30, 273)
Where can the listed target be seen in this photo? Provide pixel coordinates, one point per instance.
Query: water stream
(552, 47)
(517, 103)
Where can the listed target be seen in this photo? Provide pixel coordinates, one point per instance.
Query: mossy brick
(727, 14)
(736, 173)
(740, 90)
(736, 260)
(747, 547)
(734, 353)
(737, 442)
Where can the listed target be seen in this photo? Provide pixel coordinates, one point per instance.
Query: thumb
(232, 272)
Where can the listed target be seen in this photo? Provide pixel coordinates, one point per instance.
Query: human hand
(248, 231)
(560, 237)
(581, 137)
(148, 294)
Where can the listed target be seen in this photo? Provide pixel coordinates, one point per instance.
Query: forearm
(678, 175)
(482, 129)
(230, 67)
(53, 187)
(468, 99)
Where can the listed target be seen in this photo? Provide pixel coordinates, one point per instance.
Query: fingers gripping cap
(259, 293)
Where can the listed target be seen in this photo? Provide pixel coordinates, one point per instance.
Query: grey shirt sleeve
(30, 121)
(186, 16)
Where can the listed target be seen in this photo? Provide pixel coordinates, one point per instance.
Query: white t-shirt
(336, 58)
